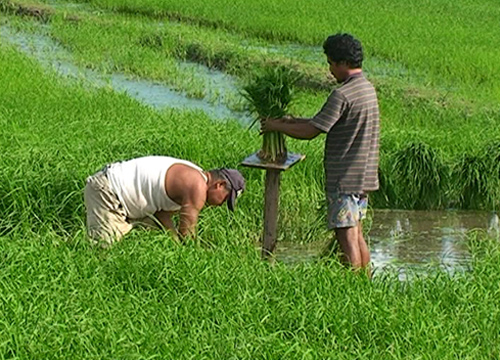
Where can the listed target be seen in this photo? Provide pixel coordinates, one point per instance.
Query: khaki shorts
(107, 220)
(106, 217)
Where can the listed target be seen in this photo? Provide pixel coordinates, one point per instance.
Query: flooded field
(398, 239)
(401, 240)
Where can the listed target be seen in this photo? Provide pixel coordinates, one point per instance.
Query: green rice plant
(478, 178)
(421, 176)
(269, 96)
(196, 301)
(385, 196)
(469, 172)
(154, 41)
(434, 43)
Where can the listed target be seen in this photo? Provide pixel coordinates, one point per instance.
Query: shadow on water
(50, 54)
(411, 241)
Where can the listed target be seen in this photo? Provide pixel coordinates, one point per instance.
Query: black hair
(344, 48)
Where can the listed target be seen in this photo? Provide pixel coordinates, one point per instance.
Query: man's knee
(347, 234)
(105, 234)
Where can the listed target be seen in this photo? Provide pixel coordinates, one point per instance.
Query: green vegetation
(149, 298)
(413, 112)
(452, 44)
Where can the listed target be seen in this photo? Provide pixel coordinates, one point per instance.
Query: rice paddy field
(434, 65)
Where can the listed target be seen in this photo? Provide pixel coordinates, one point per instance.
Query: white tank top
(140, 184)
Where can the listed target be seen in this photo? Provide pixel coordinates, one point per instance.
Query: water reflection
(416, 240)
(421, 236)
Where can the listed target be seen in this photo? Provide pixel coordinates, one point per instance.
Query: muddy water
(219, 85)
(416, 240)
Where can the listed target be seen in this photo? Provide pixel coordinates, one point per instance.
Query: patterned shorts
(346, 210)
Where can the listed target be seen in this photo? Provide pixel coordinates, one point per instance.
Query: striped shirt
(350, 117)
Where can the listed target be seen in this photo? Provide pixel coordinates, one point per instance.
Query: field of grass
(454, 44)
(214, 299)
(420, 118)
(148, 298)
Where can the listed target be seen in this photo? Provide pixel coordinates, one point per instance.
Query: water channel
(154, 94)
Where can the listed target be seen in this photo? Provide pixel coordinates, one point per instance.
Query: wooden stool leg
(272, 192)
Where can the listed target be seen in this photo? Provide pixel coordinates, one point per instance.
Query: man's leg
(363, 247)
(365, 252)
(345, 213)
(350, 246)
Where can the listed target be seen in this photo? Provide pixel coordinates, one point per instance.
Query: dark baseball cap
(237, 182)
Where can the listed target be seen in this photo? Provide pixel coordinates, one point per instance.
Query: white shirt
(140, 184)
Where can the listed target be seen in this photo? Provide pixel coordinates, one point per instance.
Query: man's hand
(165, 218)
(298, 128)
(265, 124)
(287, 119)
(269, 124)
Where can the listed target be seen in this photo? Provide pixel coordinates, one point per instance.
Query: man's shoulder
(356, 82)
(186, 173)
(187, 176)
(359, 87)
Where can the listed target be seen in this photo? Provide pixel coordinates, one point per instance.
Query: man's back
(351, 150)
(140, 184)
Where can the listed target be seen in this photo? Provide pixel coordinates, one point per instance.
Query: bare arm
(165, 218)
(188, 188)
(188, 220)
(298, 128)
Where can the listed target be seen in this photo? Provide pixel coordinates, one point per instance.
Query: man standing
(150, 190)
(350, 118)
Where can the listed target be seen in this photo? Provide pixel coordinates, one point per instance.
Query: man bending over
(150, 190)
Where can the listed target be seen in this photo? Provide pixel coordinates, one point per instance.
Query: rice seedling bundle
(269, 96)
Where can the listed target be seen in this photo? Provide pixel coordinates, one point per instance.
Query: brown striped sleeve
(331, 112)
